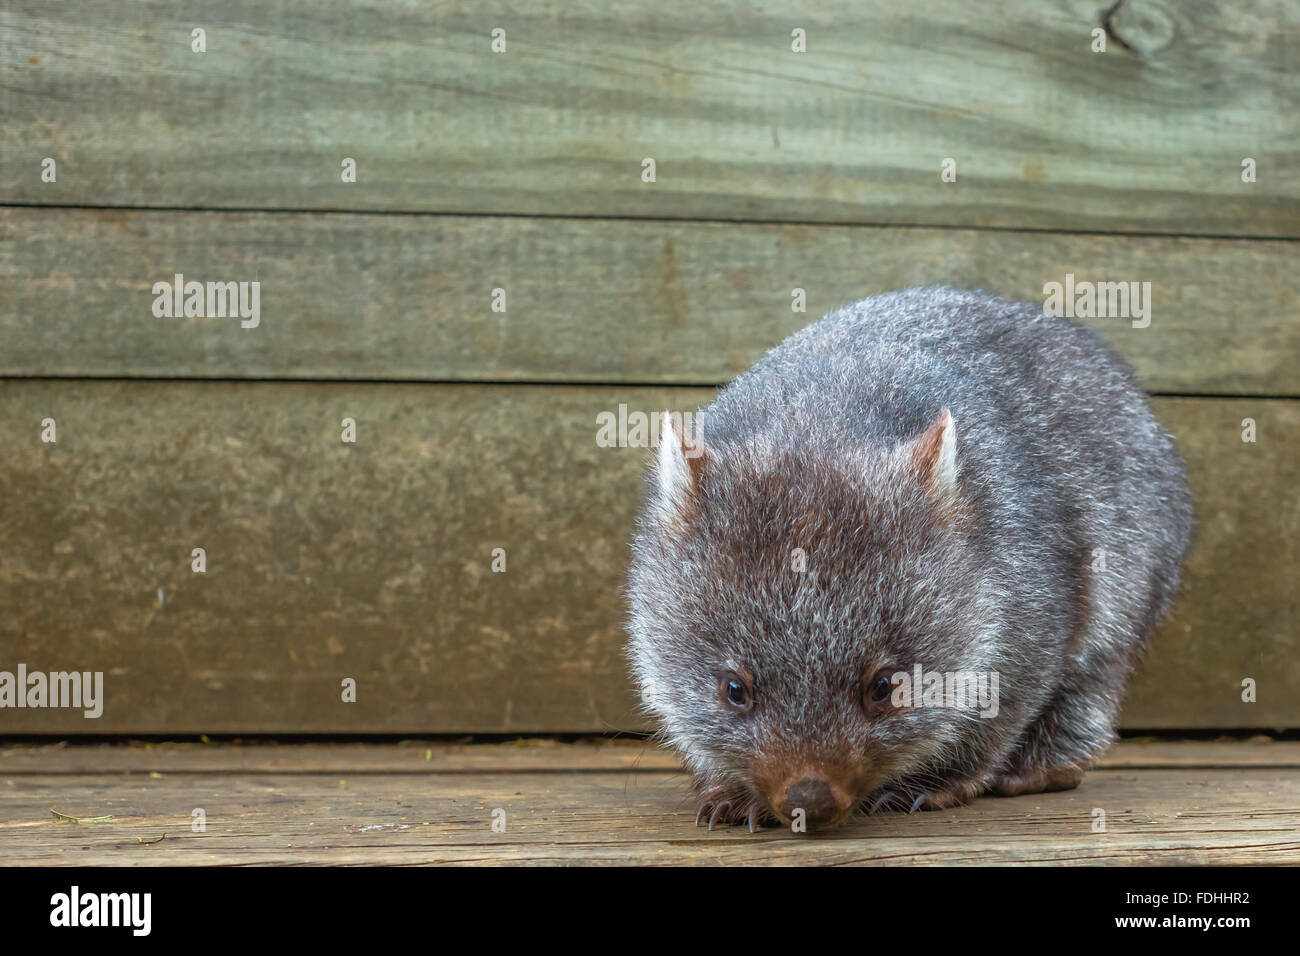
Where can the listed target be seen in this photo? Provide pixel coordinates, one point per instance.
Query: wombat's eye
(880, 688)
(877, 690)
(733, 691)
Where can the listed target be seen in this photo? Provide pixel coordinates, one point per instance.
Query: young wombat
(927, 483)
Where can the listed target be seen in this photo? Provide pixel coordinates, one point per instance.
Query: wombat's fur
(972, 486)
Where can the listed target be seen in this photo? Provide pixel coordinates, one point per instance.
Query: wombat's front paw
(719, 805)
(943, 798)
(1036, 780)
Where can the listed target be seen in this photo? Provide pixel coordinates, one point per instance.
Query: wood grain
(372, 561)
(409, 297)
(1159, 816)
(1148, 136)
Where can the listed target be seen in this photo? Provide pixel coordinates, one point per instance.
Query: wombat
(927, 482)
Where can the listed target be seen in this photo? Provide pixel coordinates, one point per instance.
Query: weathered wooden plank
(1153, 816)
(1147, 754)
(409, 297)
(372, 561)
(522, 756)
(1147, 136)
(324, 560)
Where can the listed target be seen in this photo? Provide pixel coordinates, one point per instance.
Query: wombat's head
(777, 596)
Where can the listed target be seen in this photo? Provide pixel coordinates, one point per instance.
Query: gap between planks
(526, 755)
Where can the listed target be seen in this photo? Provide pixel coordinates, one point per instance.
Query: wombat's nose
(815, 798)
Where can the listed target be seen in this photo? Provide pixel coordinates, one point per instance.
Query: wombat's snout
(823, 803)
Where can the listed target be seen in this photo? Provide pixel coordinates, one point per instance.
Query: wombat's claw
(717, 811)
(934, 800)
(883, 800)
(724, 805)
(729, 811)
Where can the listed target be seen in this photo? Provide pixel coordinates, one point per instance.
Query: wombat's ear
(681, 460)
(932, 455)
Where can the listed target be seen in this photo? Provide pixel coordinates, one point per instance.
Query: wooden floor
(602, 803)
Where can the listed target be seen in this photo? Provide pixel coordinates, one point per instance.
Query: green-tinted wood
(1148, 136)
(373, 561)
(410, 297)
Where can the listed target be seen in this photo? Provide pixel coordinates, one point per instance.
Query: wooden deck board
(1223, 802)
(409, 297)
(1148, 136)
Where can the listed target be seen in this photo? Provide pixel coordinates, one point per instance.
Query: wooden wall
(477, 429)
